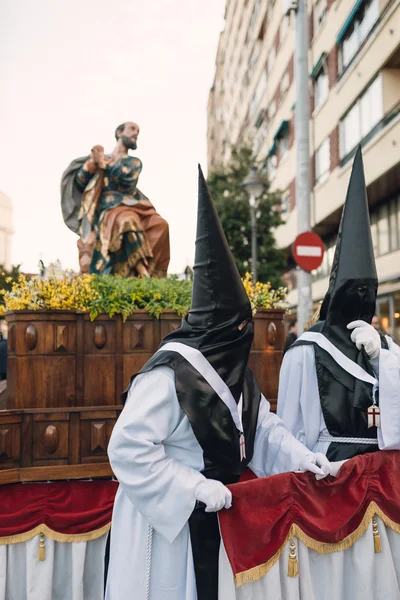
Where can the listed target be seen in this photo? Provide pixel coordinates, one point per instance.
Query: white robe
(299, 403)
(157, 460)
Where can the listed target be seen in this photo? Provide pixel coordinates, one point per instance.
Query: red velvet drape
(68, 507)
(263, 510)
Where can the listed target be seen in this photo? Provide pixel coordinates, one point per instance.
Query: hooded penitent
(219, 325)
(351, 296)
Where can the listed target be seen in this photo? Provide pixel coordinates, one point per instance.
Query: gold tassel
(293, 567)
(42, 549)
(377, 537)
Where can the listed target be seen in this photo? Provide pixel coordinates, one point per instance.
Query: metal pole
(302, 156)
(253, 237)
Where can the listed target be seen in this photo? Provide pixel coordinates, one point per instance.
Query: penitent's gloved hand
(214, 495)
(317, 463)
(364, 335)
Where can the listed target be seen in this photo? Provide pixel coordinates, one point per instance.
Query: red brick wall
(292, 194)
(312, 172)
(332, 64)
(291, 132)
(310, 27)
(290, 69)
(276, 41)
(334, 145)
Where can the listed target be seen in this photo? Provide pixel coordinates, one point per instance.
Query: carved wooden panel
(99, 337)
(61, 338)
(138, 336)
(98, 437)
(50, 438)
(266, 366)
(5, 443)
(168, 326)
(10, 441)
(131, 364)
(268, 330)
(99, 380)
(95, 432)
(272, 334)
(31, 337)
(44, 382)
(11, 338)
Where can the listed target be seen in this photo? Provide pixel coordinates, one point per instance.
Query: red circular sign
(308, 251)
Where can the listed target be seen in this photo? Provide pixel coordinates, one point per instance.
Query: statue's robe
(110, 213)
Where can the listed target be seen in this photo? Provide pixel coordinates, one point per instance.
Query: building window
(284, 85)
(325, 268)
(271, 59)
(361, 118)
(354, 33)
(385, 222)
(283, 143)
(383, 230)
(259, 138)
(272, 164)
(258, 94)
(323, 161)
(285, 206)
(320, 12)
(374, 233)
(283, 29)
(393, 225)
(254, 58)
(321, 87)
(272, 110)
(254, 14)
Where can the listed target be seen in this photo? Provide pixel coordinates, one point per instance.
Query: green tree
(232, 203)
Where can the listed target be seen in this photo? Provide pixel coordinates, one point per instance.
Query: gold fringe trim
(256, 573)
(42, 549)
(293, 566)
(43, 530)
(377, 537)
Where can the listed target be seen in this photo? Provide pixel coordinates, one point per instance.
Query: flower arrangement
(94, 294)
(262, 295)
(117, 295)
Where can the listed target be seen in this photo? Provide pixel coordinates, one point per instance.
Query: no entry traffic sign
(308, 251)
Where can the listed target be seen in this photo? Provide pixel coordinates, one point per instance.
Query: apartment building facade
(354, 85)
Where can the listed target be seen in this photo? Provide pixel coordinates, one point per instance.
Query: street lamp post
(254, 185)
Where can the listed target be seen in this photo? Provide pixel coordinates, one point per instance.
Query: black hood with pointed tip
(219, 301)
(353, 281)
(219, 325)
(351, 296)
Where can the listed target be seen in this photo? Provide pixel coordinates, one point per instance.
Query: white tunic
(299, 403)
(157, 460)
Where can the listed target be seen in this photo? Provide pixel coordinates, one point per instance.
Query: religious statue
(120, 230)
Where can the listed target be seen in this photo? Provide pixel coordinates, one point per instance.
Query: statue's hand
(97, 157)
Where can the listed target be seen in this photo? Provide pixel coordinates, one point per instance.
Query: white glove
(365, 335)
(214, 495)
(317, 463)
(336, 466)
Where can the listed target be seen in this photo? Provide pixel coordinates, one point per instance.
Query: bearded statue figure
(120, 232)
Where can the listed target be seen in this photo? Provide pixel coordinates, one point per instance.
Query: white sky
(70, 72)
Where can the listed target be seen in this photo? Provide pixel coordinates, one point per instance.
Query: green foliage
(232, 203)
(118, 295)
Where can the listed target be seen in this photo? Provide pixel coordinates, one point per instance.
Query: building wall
(6, 230)
(354, 66)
